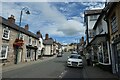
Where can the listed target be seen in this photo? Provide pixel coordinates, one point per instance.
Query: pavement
(94, 72)
(23, 64)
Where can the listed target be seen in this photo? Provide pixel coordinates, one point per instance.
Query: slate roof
(48, 42)
(5, 22)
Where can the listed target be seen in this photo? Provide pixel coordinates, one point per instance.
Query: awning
(98, 39)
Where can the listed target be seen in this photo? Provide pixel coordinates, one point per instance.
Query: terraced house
(17, 44)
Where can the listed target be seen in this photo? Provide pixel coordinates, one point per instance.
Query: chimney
(26, 27)
(11, 19)
(82, 40)
(46, 37)
(39, 34)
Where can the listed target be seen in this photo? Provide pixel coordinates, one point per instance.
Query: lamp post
(26, 11)
(17, 47)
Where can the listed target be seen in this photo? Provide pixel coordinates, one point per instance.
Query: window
(3, 54)
(6, 33)
(21, 36)
(114, 23)
(100, 29)
(35, 42)
(28, 53)
(93, 17)
(91, 33)
(30, 40)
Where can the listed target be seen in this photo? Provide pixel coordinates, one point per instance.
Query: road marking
(62, 74)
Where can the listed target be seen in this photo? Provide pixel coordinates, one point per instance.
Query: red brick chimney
(46, 36)
(26, 27)
(11, 19)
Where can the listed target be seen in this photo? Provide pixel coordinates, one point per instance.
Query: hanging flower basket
(18, 43)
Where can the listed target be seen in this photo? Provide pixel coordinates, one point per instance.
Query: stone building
(17, 44)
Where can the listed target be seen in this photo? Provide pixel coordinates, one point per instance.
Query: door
(20, 55)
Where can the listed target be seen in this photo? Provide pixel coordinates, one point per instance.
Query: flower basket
(18, 43)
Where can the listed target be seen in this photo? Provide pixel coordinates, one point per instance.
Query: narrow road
(54, 68)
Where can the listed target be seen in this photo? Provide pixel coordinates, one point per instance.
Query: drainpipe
(16, 55)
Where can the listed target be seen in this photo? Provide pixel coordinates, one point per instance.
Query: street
(55, 68)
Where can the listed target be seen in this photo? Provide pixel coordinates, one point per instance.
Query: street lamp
(19, 42)
(26, 11)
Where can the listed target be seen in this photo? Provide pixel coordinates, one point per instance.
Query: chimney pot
(27, 27)
(46, 37)
(11, 19)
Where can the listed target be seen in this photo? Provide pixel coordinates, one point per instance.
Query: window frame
(21, 35)
(6, 28)
(30, 43)
(113, 23)
(35, 42)
(5, 53)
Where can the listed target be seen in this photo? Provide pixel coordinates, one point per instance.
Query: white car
(75, 61)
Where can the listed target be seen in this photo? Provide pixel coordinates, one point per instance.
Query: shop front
(101, 48)
(116, 53)
(31, 53)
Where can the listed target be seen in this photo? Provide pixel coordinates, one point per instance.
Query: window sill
(5, 38)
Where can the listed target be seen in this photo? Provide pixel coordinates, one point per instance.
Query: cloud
(71, 27)
(46, 18)
(93, 5)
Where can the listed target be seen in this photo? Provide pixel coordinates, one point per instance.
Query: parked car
(59, 55)
(75, 60)
(74, 52)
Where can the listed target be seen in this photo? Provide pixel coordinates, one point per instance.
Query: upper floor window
(100, 29)
(30, 40)
(21, 36)
(91, 33)
(114, 23)
(4, 51)
(6, 33)
(93, 17)
(35, 42)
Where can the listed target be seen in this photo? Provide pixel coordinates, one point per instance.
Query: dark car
(59, 55)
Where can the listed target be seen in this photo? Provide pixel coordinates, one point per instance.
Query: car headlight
(68, 62)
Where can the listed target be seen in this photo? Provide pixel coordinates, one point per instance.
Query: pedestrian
(88, 59)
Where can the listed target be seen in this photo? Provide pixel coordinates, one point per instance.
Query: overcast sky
(63, 21)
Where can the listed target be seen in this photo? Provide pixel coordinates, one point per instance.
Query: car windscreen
(75, 57)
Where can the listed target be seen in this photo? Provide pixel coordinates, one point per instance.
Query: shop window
(6, 33)
(4, 51)
(105, 51)
(100, 54)
(114, 23)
